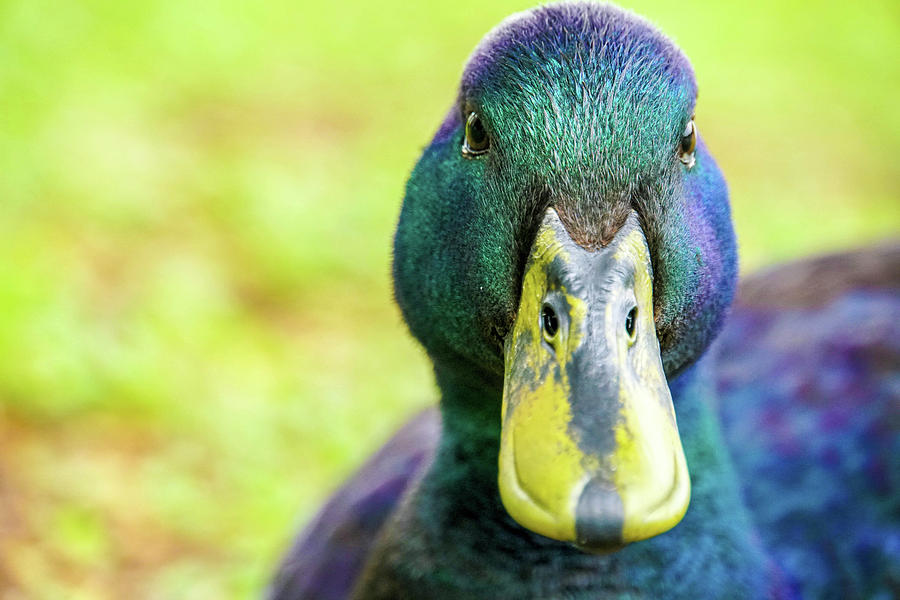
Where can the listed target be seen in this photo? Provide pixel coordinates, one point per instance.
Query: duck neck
(470, 442)
(455, 529)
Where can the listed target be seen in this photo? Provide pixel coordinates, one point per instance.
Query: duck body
(810, 484)
(566, 185)
(808, 397)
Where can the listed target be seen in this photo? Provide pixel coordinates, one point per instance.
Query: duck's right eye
(477, 139)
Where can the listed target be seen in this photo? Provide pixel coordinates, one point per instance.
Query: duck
(612, 422)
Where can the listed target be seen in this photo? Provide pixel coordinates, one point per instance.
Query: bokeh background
(197, 338)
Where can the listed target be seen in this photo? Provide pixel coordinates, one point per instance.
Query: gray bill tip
(599, 518)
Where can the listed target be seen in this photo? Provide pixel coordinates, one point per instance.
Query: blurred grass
(197, 340)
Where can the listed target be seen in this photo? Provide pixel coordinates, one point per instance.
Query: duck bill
(589, 449)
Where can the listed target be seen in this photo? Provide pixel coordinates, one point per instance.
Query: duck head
(566, 241)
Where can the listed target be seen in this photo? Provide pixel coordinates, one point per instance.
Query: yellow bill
(589, 449)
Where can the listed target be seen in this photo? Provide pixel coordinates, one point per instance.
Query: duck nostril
(630, 321)
(549, 322)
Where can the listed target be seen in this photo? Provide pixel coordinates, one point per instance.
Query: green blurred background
(197, 339)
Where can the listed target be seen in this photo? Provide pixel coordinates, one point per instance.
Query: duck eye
(688, 144)
(549, 322)
(630, 320)
(477, 140)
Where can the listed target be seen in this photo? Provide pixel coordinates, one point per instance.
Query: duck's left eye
(477, 139)
(688, 144)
